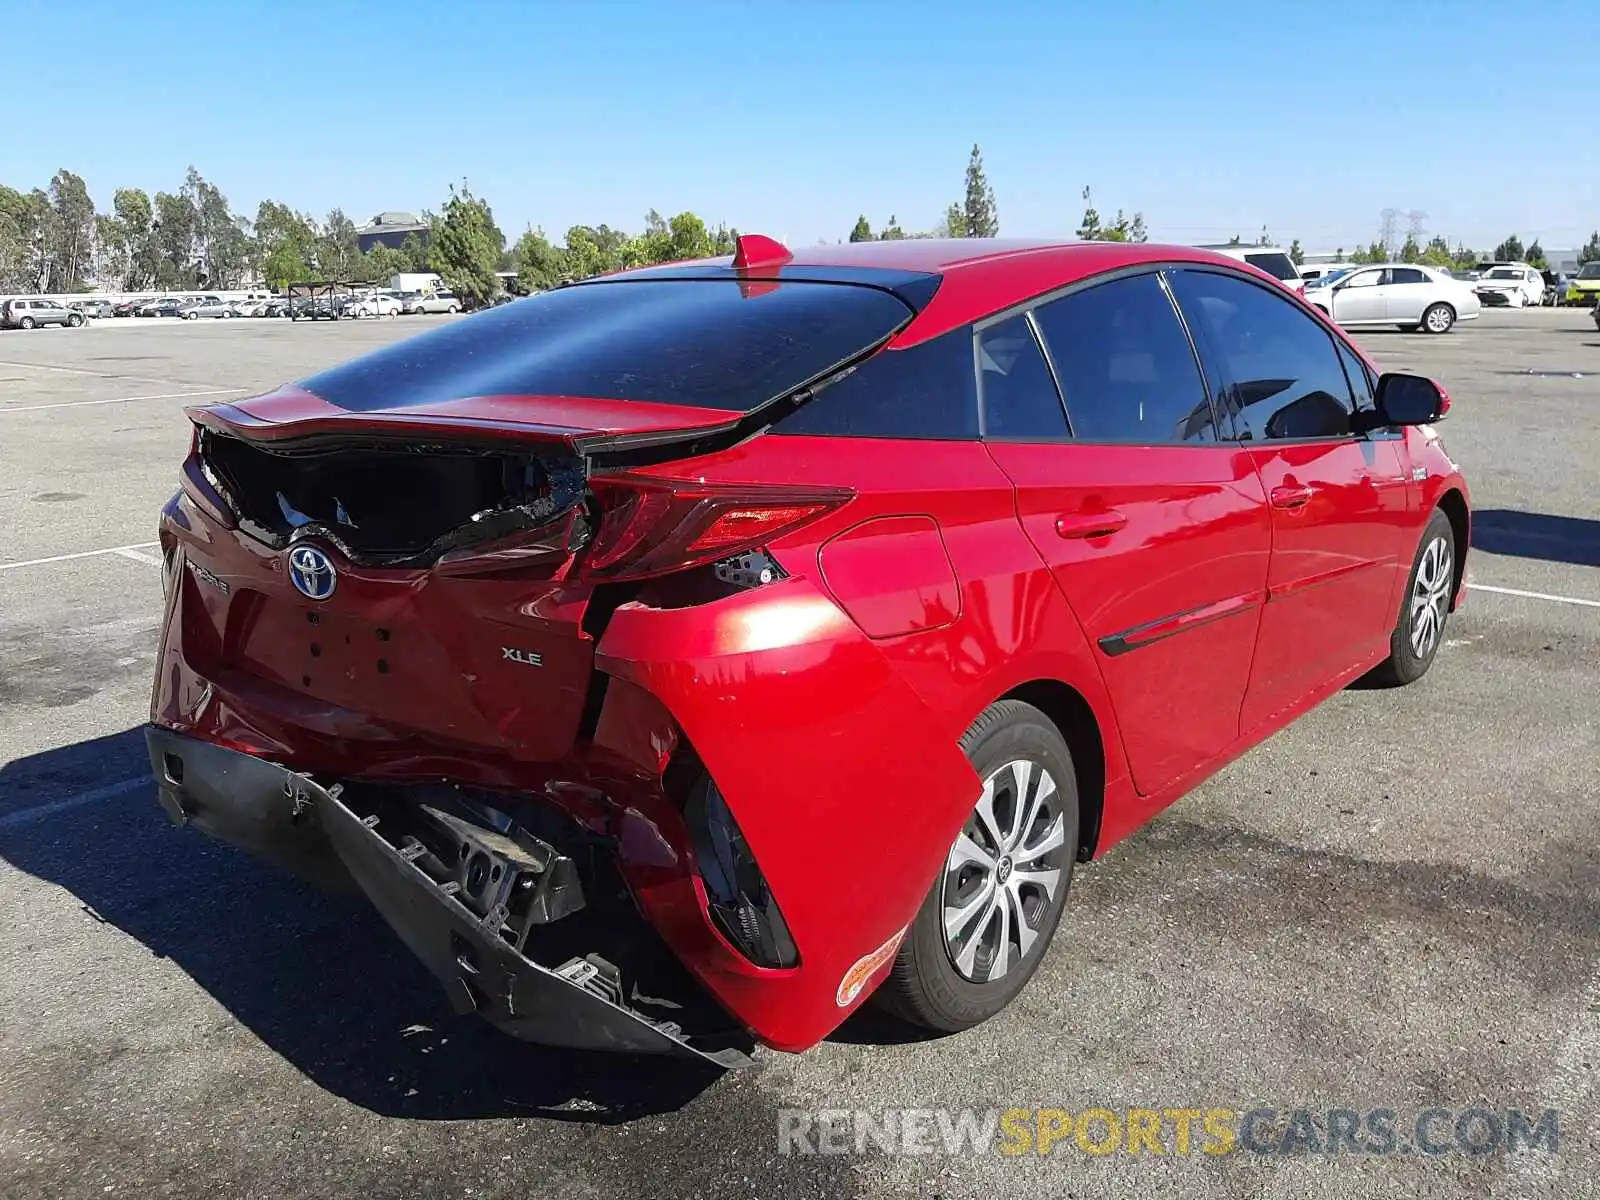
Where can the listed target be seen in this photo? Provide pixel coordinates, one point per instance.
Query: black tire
(925, 987)
(25, 323)
(452, 310)
(1408, 328)
(74, 321)
(1406, 662)
(1439, 318)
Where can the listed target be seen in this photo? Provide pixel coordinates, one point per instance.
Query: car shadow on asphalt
(318, 977)
(1537, 535)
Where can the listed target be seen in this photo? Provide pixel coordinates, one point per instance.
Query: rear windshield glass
(704, 343)
(1278, 265)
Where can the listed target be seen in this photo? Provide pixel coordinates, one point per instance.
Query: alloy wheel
(1004, 871)
(1430, 596)
(1439, 319)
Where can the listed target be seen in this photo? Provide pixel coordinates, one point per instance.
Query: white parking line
(1504, 591)
(118, 400)
(55, 558)
(39, 812)
(138, 556)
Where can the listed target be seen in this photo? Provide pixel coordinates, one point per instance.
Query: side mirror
(1410, 400)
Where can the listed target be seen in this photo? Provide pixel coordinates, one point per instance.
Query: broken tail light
(654, 527)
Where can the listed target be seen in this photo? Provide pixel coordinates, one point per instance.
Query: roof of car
(980, 275)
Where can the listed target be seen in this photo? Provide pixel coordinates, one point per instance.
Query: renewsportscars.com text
(1167, 1131)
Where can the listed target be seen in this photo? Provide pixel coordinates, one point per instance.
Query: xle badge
(526, 657)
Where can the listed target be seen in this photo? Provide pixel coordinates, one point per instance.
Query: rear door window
(1020, 400)
(926, 391)
(720, 344)
(1284, 380)
(1125, 364)
(1407, 275)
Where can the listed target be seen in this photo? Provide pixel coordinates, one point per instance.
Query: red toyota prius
(677, 658)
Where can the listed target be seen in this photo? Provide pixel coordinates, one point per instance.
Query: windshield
(1590, 271)
(1504, 273)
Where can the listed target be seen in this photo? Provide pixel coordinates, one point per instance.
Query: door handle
(1089, 525)
(1291, 496)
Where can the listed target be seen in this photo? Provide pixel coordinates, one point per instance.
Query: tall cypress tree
(982, 218)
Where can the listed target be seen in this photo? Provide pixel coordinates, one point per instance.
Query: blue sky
(791, 119)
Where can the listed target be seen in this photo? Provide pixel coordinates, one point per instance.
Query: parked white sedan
(1403, 294)
(379, 304)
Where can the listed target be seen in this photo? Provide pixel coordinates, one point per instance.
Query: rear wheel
(984, 927)
(1429, 591)
(25, 323)
(1439, 318)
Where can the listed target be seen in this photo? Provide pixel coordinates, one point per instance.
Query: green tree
(540, 265)
(174, 228)
(983, 218)
(135, 220)
(1235, 240)
(891, 231)
(1437, 254)
(465, 247)
(1265, 239)
(284, 265)
(338, 250)
(688, 238)
(1462, 258)
(1536, 256)
(222, 245)
(1338, 255)
(1410, 252)
(955, 222)
(1089, 229)
(381, 264)
(1591, 250)
(71, 232)
(13, 244)
(862, 231)
(416, 254)
(1296, 255)
(1510, 250)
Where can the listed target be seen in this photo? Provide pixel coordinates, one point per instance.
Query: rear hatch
(477, 494)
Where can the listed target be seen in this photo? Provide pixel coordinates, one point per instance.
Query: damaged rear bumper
(473, 902)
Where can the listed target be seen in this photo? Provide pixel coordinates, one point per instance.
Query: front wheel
(193, 316)
(1439, 318)
(984, 927)
(74, 321)
(1420, 626)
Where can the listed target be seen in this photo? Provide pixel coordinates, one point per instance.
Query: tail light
(199, 488)
(656, 526)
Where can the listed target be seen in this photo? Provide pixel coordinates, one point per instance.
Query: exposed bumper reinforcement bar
(291, 820)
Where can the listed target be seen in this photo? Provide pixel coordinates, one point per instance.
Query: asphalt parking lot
(1391, 904)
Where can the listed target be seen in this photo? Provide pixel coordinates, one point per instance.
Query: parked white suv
(1271, 259)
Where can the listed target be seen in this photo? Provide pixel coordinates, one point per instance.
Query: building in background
(391, 229)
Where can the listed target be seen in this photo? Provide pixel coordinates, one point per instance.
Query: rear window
(705, 343)
(1276, 264)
